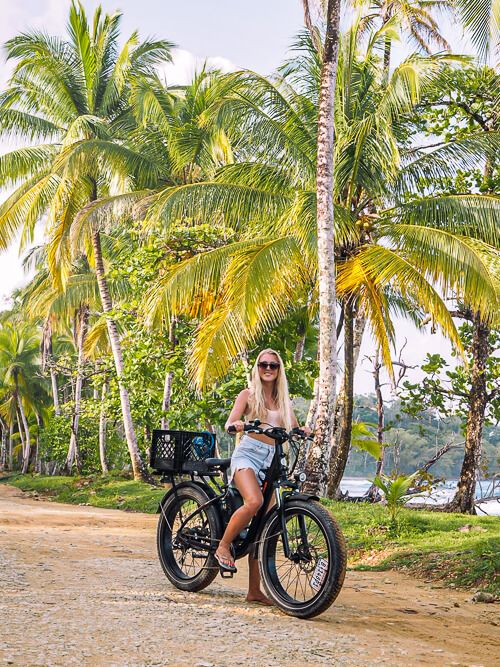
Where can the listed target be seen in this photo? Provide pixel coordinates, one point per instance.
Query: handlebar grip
(231, 429)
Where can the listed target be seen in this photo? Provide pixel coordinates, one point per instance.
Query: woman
(267, 400)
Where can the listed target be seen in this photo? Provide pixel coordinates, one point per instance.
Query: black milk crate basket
(181, 451)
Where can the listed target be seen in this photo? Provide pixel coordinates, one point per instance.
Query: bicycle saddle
(219, 463)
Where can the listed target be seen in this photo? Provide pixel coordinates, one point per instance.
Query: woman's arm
(239, 409)
(295, 423)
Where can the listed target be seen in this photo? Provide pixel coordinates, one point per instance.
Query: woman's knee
(254, 503)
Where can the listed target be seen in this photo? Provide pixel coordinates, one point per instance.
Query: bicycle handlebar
(254, 427)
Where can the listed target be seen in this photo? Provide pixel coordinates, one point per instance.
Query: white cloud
(185, 64)
(23, 15)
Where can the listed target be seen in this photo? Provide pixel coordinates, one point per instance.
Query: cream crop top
(274, 418)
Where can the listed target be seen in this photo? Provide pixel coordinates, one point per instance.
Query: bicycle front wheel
(305, 583)
(186, 539)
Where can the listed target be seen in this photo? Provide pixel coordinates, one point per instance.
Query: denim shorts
(254, 454)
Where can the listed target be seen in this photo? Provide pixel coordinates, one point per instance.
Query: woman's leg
(246, 482)
(254, 592)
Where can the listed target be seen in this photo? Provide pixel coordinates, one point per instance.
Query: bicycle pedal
(226, 575)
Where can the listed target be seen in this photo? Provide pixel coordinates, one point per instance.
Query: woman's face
(268, 366)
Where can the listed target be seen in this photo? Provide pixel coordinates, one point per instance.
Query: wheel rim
(299, 579)
(185, 560)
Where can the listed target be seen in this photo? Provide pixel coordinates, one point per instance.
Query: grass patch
(116, 491)
(426, 544)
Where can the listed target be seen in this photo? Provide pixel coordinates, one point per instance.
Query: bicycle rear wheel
(307, 582)
(185, 548)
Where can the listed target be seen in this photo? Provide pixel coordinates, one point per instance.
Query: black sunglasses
(268, 364)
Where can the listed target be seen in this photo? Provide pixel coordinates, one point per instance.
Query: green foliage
(116, 491)
(395, 491)
(362, 439)
(446, 390)
(427, 544)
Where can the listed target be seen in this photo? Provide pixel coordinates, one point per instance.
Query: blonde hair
(281, 396)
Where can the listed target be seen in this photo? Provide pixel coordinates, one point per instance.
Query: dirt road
(83, 586)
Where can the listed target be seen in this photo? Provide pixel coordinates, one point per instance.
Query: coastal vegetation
(186, 227)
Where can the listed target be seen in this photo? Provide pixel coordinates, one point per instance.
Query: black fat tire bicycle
(299, 546)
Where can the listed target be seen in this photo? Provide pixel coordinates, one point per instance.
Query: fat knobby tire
(337, 558)
(206, 575)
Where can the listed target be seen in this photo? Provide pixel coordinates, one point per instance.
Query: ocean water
(357, 487)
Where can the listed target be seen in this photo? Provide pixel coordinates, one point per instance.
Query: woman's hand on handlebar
(305, 432)
(236, 427)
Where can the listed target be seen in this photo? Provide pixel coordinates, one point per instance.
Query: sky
(230, 34)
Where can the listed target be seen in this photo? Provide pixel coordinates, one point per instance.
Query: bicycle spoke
(196, 525)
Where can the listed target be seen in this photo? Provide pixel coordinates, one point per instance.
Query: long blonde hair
(281, 396)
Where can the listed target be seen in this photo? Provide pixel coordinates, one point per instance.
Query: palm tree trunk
(74, 448)
(37, 443)
(27, 446)
(387, 60)
(11, 436)
(3, 445)
(465, 495)
(167, 393)
(342, 427)
(55, 393)
(344, 407)
(20, 430)
(138, 467)
(102, 430)
(326, 258)
(46, 350)
(167, 387)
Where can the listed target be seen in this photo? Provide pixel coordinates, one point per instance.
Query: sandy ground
(83, 586)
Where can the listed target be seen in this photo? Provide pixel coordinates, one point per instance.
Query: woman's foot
(260, 598)
(225, 558)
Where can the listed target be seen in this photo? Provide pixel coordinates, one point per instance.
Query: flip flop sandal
(225, 565)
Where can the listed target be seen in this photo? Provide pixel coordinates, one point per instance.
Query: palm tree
(75, 94)
(481, 18)
(71, 309)
(240, 290)
(412, 17)
(19, 363)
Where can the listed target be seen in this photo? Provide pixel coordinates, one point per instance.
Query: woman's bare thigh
(246, 482)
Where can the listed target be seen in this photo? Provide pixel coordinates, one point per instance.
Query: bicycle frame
(276, 478)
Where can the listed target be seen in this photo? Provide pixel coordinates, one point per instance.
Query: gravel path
(83, 586)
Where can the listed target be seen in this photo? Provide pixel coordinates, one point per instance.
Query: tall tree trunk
(74, 447)
(465, 495)
(138, 467)
(37, 443)
(11, 437)
(55, 393)
(3, 446)
(46, 350)
(167, 394)
(315, 463)
(167, 387)
(299, 349)
(343, 408)
(373, 492)
(342, 427)
(22, 436)
(102, 429)
(387, 60)
(27, 445)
